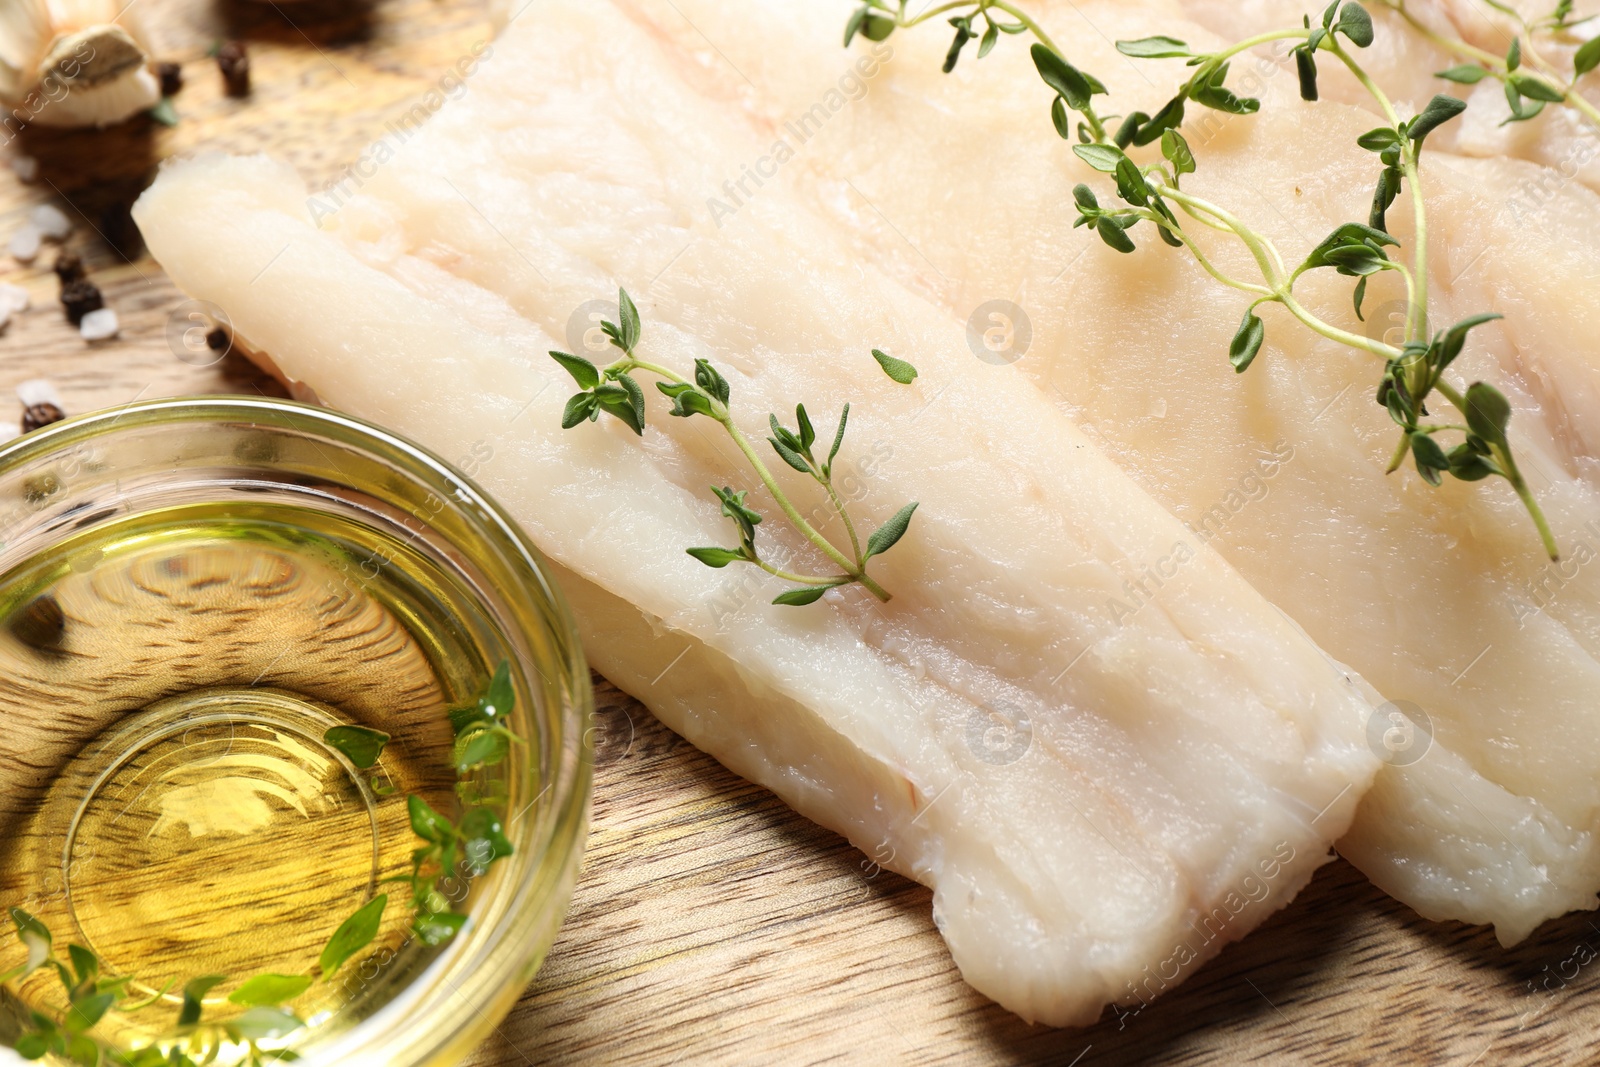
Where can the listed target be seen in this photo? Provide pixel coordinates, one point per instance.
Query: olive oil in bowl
(294, 743)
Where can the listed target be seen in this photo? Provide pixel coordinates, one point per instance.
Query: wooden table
(713, 925)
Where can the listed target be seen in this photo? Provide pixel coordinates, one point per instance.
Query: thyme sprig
(194, 1041)
(1530, 79)
(1151, 192)
(468, 847)
(614, 391)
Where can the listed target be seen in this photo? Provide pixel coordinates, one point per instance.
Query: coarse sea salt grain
(36, 391)
(51, 222)
(26, 168)
(24, 246)
(99, 325)
(9, 431)
(14, 298)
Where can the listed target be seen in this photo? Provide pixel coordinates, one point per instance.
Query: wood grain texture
(713, 925)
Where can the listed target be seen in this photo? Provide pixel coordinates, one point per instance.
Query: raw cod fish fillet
(1404, 61)
(1440, 599)
(1098, 804)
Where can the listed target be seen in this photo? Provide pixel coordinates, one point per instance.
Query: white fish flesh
(1439, 598)
(1099, 803)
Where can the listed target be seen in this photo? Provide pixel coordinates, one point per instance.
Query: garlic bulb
(71, 63)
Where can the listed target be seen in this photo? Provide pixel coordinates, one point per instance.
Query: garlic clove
(72, 63)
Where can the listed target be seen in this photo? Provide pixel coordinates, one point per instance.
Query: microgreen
(709, 395)
(1148, 190)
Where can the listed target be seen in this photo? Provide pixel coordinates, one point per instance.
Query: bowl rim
(571, 784)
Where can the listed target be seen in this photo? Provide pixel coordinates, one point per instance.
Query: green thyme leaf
(1131, 184)
(990, 36)
(838, 439)
(81, 1049)
(1389, 180)
(1305, 66)
(194, 995)
(580, 407)
(715, 557)
(1488, 412)
(1467, 464)
(1129, 129)
(35, 936)
(1536, 88)
(789, 455)
(485, 837)
(1170, 117)
(808, 435)
(354, 935)
(629, 316)
(1379, 139)
(1114, 234)
(1360, 295)
(85, 964)
(263, 1024)
(1586, 58)
(1103, 158)
(709, 379)
(270, 990)
(1060, 119)
(1514, 55)
(877, 28)
(1520, 112)
(1356, 24)
(1430, 458)
(1451, 343)
(87, 1011)
(485, 747)
(1246, 342)
(360, 745)
(1061, 76)
(1440, 110)
(1177, 152)
(963, 35)
(435, 928)
(1466, 74)
(427, 823)
(1154, 48)
(586, 374)
(886, 536)
(800, 597)
(897, 369)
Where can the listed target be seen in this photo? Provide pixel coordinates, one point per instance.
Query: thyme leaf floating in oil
(1151, 191)
(614, 391)
(483, 740)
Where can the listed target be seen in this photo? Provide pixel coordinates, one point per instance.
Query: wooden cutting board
(712, 924)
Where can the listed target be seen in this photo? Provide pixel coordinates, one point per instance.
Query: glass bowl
(261, 665)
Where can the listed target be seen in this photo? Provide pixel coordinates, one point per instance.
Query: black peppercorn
(79, 298)
(234, 62)
(40, 415)
(218, 340)
(171, 76)
(69, 268)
